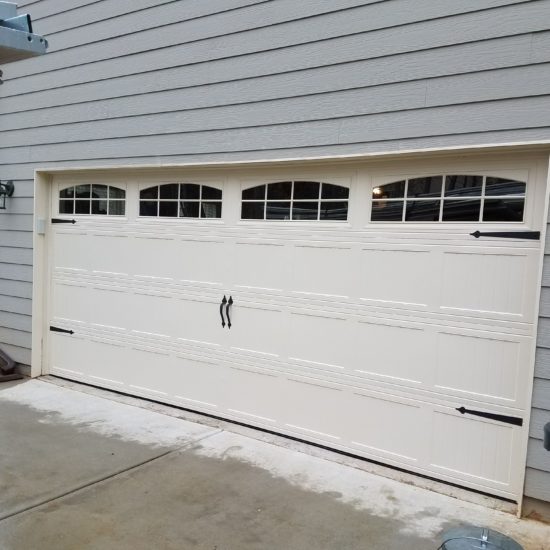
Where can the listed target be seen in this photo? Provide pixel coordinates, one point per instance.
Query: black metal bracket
(62, 220)
(515, 420)
(531, 235)
(62, 330)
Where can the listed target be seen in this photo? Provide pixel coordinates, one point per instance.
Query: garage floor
(79, 471)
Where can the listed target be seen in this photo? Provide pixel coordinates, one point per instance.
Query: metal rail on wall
(17, 40)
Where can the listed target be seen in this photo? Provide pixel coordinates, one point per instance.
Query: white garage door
(354, 312)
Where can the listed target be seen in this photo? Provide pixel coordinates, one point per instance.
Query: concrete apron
(79, 471)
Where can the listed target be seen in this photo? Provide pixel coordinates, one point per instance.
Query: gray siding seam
(194, 18)
(280, 98)
(270, 75)
(155, 157)
(91, 3)
(57, 13)
(276, 125)
(287, 46)
(256, 78)
(297, 19)
(228, 58)
(273, 124)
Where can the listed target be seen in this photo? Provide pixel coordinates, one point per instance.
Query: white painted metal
(359, 336)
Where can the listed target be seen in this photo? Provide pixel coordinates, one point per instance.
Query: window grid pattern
(295, 200)
(181, 200)
(93, 199)
(450, 198)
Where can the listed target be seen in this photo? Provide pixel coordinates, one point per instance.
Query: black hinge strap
(62, 220)
(516, 421)
(531, 235)
(63, 330)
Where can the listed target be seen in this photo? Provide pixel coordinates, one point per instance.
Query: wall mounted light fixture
(6, 190)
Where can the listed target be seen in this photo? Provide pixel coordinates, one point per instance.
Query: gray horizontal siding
(438, 141)
(267, 26)
(455, 120)
(539, 417)
(124, 117)
(306, 38)
(151, 81)
(537, 483)
(266, 78)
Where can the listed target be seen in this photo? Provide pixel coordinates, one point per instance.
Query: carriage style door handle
(224, 301)
(229, 304)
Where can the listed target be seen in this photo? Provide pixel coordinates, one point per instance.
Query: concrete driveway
(82, 471)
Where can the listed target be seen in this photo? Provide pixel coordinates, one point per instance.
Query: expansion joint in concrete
(116, 474)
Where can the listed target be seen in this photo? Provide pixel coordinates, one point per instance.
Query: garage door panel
(188, 381)
(258, 329)
(402, 277)
(108, 252)
(323, 270)
(375, 434)
(314, 408)
(480, 366)
(70, 251)
(479, 449)
(97, 362)
(261, 265)
(253, 395)
(195, 321)
(71, 301)
(376, 355)
(174, 258)
(488, 283)
(321, 340)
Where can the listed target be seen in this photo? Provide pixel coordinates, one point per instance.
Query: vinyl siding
(167, 81)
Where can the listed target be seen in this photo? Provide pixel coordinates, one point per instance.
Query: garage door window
(181, 200)
(103, 200)
(450, 198)
(295, 200)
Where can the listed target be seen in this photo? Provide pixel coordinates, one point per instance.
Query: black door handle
(224, 301)
(229, 303)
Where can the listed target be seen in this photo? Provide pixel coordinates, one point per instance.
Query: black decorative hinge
(531, 235)
(62, 220)
(516, 421)
(62, 330)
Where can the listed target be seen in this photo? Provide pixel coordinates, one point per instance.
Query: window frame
(380, 182)
(192, 181)
(72, 185)
(251, 184)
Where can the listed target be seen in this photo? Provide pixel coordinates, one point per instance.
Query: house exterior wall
(158, 81)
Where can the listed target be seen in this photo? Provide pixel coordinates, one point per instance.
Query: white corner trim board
(349, 305)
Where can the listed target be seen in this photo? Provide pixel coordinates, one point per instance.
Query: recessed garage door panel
(363, 337)
(175, 258)
(483, 366)
(489, 283)
(376, 356)
(492, 449)
(325, 270)
(398, 276)
(270, 269)
(320, 340)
